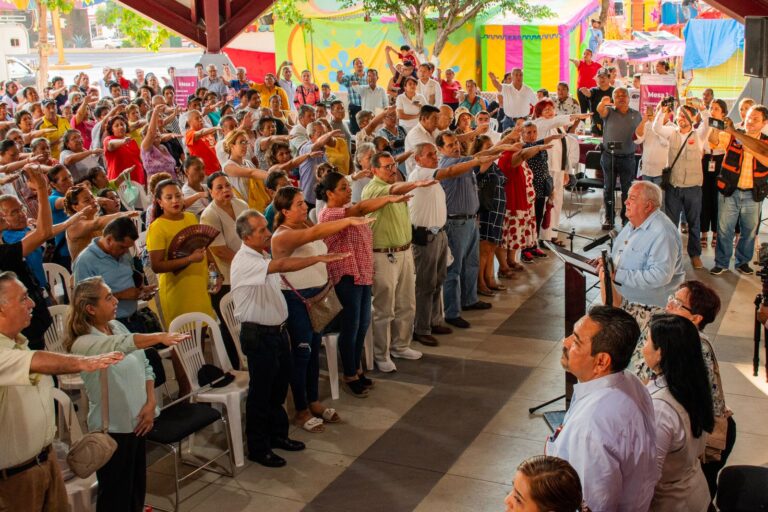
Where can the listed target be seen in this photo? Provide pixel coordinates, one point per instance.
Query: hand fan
(190, 239)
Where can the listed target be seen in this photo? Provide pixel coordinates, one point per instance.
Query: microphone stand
(571, 235)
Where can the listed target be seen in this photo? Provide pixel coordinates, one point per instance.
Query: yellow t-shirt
(184, 291)
(745, 176)
(338, 155)
(265, 94)
(54, 138)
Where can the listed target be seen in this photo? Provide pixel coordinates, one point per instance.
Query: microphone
(600, 241)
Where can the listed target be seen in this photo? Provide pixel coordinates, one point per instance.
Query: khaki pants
(394, 302)
(431, 268)
(38, 489)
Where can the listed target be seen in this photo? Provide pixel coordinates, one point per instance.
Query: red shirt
(203, 149)
(306, 95)
(586, 74)
(85, 129)
(123, 157)
(450, 90)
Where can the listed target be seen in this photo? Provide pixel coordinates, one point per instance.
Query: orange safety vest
(728, 179)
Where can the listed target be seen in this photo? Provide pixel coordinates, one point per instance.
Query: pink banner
(185, 83)
(654, 88)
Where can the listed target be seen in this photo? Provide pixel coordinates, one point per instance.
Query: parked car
(105, 43)
(20, 72)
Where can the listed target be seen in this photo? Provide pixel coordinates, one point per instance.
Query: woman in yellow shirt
(183, 281)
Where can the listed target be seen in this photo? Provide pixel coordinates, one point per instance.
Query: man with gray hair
(298, 133)
(647, 253)
(620, 124)
(318, 140)
(214, 83)
(30, 478)
(261, 309)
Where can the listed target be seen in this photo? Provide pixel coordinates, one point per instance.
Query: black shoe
(745, 269)
(426, 339)
(716, 271)
(269, 460)
(477, 305)
(356, 388)
(441, 329)
(289, 445)
(458, 322)
(365, 380)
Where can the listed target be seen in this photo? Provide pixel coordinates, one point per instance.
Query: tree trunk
(605, 7)
(42, 46)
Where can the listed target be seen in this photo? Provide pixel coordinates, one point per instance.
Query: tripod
(610, 208)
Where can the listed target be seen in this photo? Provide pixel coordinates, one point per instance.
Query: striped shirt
(354, 97)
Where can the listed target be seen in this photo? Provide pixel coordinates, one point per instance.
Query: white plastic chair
(331, 342)
(80, 491)
(54, 342)
(227, 307)
(494, 124)
(141, 201)
(58, 276)
(191, 357)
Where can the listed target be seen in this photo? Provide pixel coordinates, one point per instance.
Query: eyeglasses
(675, 302)
(389, 166)
(243, 142)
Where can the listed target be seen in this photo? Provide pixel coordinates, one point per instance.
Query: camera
(669, 102)
(716, 123)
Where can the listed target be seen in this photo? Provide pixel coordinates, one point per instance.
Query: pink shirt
(356, 240)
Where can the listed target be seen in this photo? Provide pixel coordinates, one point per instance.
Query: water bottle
(213, 277)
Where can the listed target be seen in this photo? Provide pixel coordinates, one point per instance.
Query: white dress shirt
(517, 103)
(290, 90)
(410, 106)
(256, 293)
(371, 99)
(430, 88)
(299, 137)
(609, 437)
(655, 149)
(427, 206)
(416, 136)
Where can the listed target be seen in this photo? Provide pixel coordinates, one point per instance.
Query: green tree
(415, 18)
(140, 31)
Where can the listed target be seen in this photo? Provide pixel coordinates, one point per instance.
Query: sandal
(329, 415)
(356, 388)
(714, 241)
(506, 274)
(486, 292)
(516, 267)
(498, 288)
(314, 425)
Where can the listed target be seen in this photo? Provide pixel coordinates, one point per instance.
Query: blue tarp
(709, 43)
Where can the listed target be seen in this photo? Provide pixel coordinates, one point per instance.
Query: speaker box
(756, 46)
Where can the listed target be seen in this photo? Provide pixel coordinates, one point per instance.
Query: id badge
(711, 165)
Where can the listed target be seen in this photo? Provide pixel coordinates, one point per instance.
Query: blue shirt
(649, 260)
(307, 178)
(595, 39)
(34, 259)
(461, 191)
(354, 97)
(118, 274)
(59, 216)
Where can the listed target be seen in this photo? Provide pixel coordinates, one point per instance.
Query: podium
(576, 268)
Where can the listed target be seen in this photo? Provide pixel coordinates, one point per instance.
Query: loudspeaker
(756, 46)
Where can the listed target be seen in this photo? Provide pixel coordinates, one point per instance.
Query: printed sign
(654, 88)
(185, 83)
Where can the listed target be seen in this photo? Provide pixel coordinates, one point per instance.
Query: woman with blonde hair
(91, 329)
(545, 484)
(247, 179)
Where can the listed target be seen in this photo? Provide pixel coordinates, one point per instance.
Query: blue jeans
(460, 286)
(623, 167)
(742, 209)
(355, 319)
(688, 201)
(305, 347)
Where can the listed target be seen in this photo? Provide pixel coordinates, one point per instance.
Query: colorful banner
(185, 83)
(333, 44)
(640, 51)
(654, 88)
(541, 48)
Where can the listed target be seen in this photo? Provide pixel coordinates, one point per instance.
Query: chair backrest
(67, 415)
(190, 352)
(227, 307)
(54, 336)
(494, 124)
(593, 160)
(741, 488)
(313, 215)
(56, 275)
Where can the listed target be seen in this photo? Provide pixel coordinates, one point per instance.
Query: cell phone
(716, 123)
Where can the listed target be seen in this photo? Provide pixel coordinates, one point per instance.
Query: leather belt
(434, 230)
(34, 461)
(394, 249)
(460, 217)
(267, 329)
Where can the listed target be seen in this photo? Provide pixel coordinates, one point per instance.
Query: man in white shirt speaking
(261, 308)
(519, 99)
(608, 434)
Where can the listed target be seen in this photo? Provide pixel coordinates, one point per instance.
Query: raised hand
(361, 221)
(170, 339)
(404, 198)
(197, 255)
(100, 362)
(331, 257)
(425, 183)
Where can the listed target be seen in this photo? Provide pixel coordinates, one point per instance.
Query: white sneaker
(407, 353)
(386, 366)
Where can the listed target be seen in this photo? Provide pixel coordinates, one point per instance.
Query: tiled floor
(445, 433)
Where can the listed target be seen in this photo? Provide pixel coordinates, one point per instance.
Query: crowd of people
(401, 202)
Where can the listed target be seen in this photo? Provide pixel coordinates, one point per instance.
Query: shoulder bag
(322, 308)
(666, 173)
(92, 451)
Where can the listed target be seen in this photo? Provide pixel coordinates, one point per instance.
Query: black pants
(625, 167)
(269, 367)
(123, 480)
(712, 469)
(353, 110)
(229, 343)
(709, 193)
(538, 208)
(583, 102)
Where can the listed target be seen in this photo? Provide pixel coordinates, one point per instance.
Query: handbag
(666, 173)
(322, 308)
(716, 440)
(92, 451)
